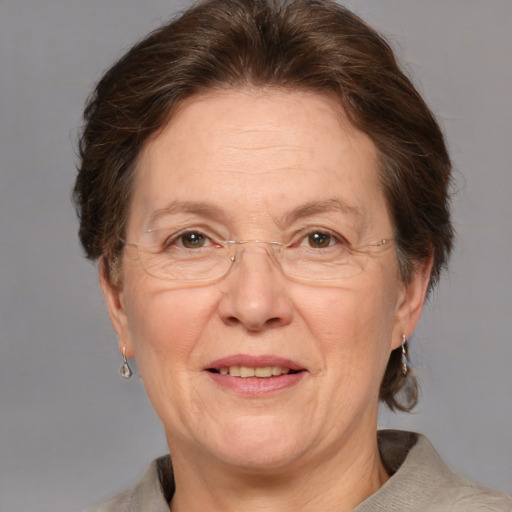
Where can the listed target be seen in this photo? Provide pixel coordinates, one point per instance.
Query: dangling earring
(126, 371)
(405, 369)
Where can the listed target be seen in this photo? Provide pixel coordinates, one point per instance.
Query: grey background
(71, 432)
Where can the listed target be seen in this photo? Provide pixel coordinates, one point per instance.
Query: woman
(267, 195)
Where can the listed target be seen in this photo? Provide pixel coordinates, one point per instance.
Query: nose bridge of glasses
(237, 247)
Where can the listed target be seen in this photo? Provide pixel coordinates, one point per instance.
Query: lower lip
(254, 386)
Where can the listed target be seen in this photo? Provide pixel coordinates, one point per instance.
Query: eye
(187, 240)
(317, 239)
(193, 240)
(320, 240)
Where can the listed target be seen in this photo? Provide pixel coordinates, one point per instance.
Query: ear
(114, 297)
(410, 302)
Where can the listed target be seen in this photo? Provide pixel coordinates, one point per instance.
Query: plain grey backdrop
(71, 431)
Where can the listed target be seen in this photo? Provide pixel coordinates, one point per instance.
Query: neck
(335, 481)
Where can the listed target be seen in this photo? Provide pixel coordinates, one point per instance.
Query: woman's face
(262, 165)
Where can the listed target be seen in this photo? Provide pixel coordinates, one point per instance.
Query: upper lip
(253, 362)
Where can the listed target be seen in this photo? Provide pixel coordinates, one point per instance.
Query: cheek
(348, 314)
(166, 325)
(352, 328)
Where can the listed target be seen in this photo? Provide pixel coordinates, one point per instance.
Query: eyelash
(177, 238)
(336, 238)
(299, 238)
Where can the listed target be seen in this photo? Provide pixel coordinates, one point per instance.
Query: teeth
(245, 371)
(263, 372)
(266, 371)
(234, 371)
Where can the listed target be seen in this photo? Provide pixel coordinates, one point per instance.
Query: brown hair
(313, 45)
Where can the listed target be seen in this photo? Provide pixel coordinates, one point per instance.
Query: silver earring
(126, 371)
(405, 369)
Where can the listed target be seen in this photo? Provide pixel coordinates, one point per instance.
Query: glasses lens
(323, 264)
(210, 262)
(186, 264)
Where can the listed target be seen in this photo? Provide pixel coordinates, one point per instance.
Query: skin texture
(256, 155)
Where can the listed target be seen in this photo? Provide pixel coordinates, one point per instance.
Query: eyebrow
(318, 207)
(212, 211)
(202, 208)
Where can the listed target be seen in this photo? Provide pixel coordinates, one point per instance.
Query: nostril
(273, 321)
(231, 320)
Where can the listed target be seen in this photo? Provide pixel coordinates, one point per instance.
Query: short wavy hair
(310, 45)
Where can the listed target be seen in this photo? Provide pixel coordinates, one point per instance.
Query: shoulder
(151, 493)
(460, 494)
(422, 482)
(473, 498)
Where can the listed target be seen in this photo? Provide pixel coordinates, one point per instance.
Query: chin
(258, 444)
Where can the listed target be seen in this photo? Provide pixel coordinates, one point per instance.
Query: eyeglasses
(193, 257)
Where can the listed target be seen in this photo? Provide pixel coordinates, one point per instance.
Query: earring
(405, 369)
(126, 371)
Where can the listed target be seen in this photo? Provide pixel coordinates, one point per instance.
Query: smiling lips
(242, 365)
(262, 372)
(250, 374)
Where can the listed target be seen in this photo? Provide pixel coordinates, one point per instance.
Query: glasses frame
(233, 252)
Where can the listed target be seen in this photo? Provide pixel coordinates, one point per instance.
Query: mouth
(254, 375)
(259, 372)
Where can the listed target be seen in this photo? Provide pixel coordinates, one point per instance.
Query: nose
(256, 294)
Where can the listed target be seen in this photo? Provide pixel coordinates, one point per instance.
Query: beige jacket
(420, 482)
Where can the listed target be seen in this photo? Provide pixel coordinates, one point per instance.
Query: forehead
(254, 152)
